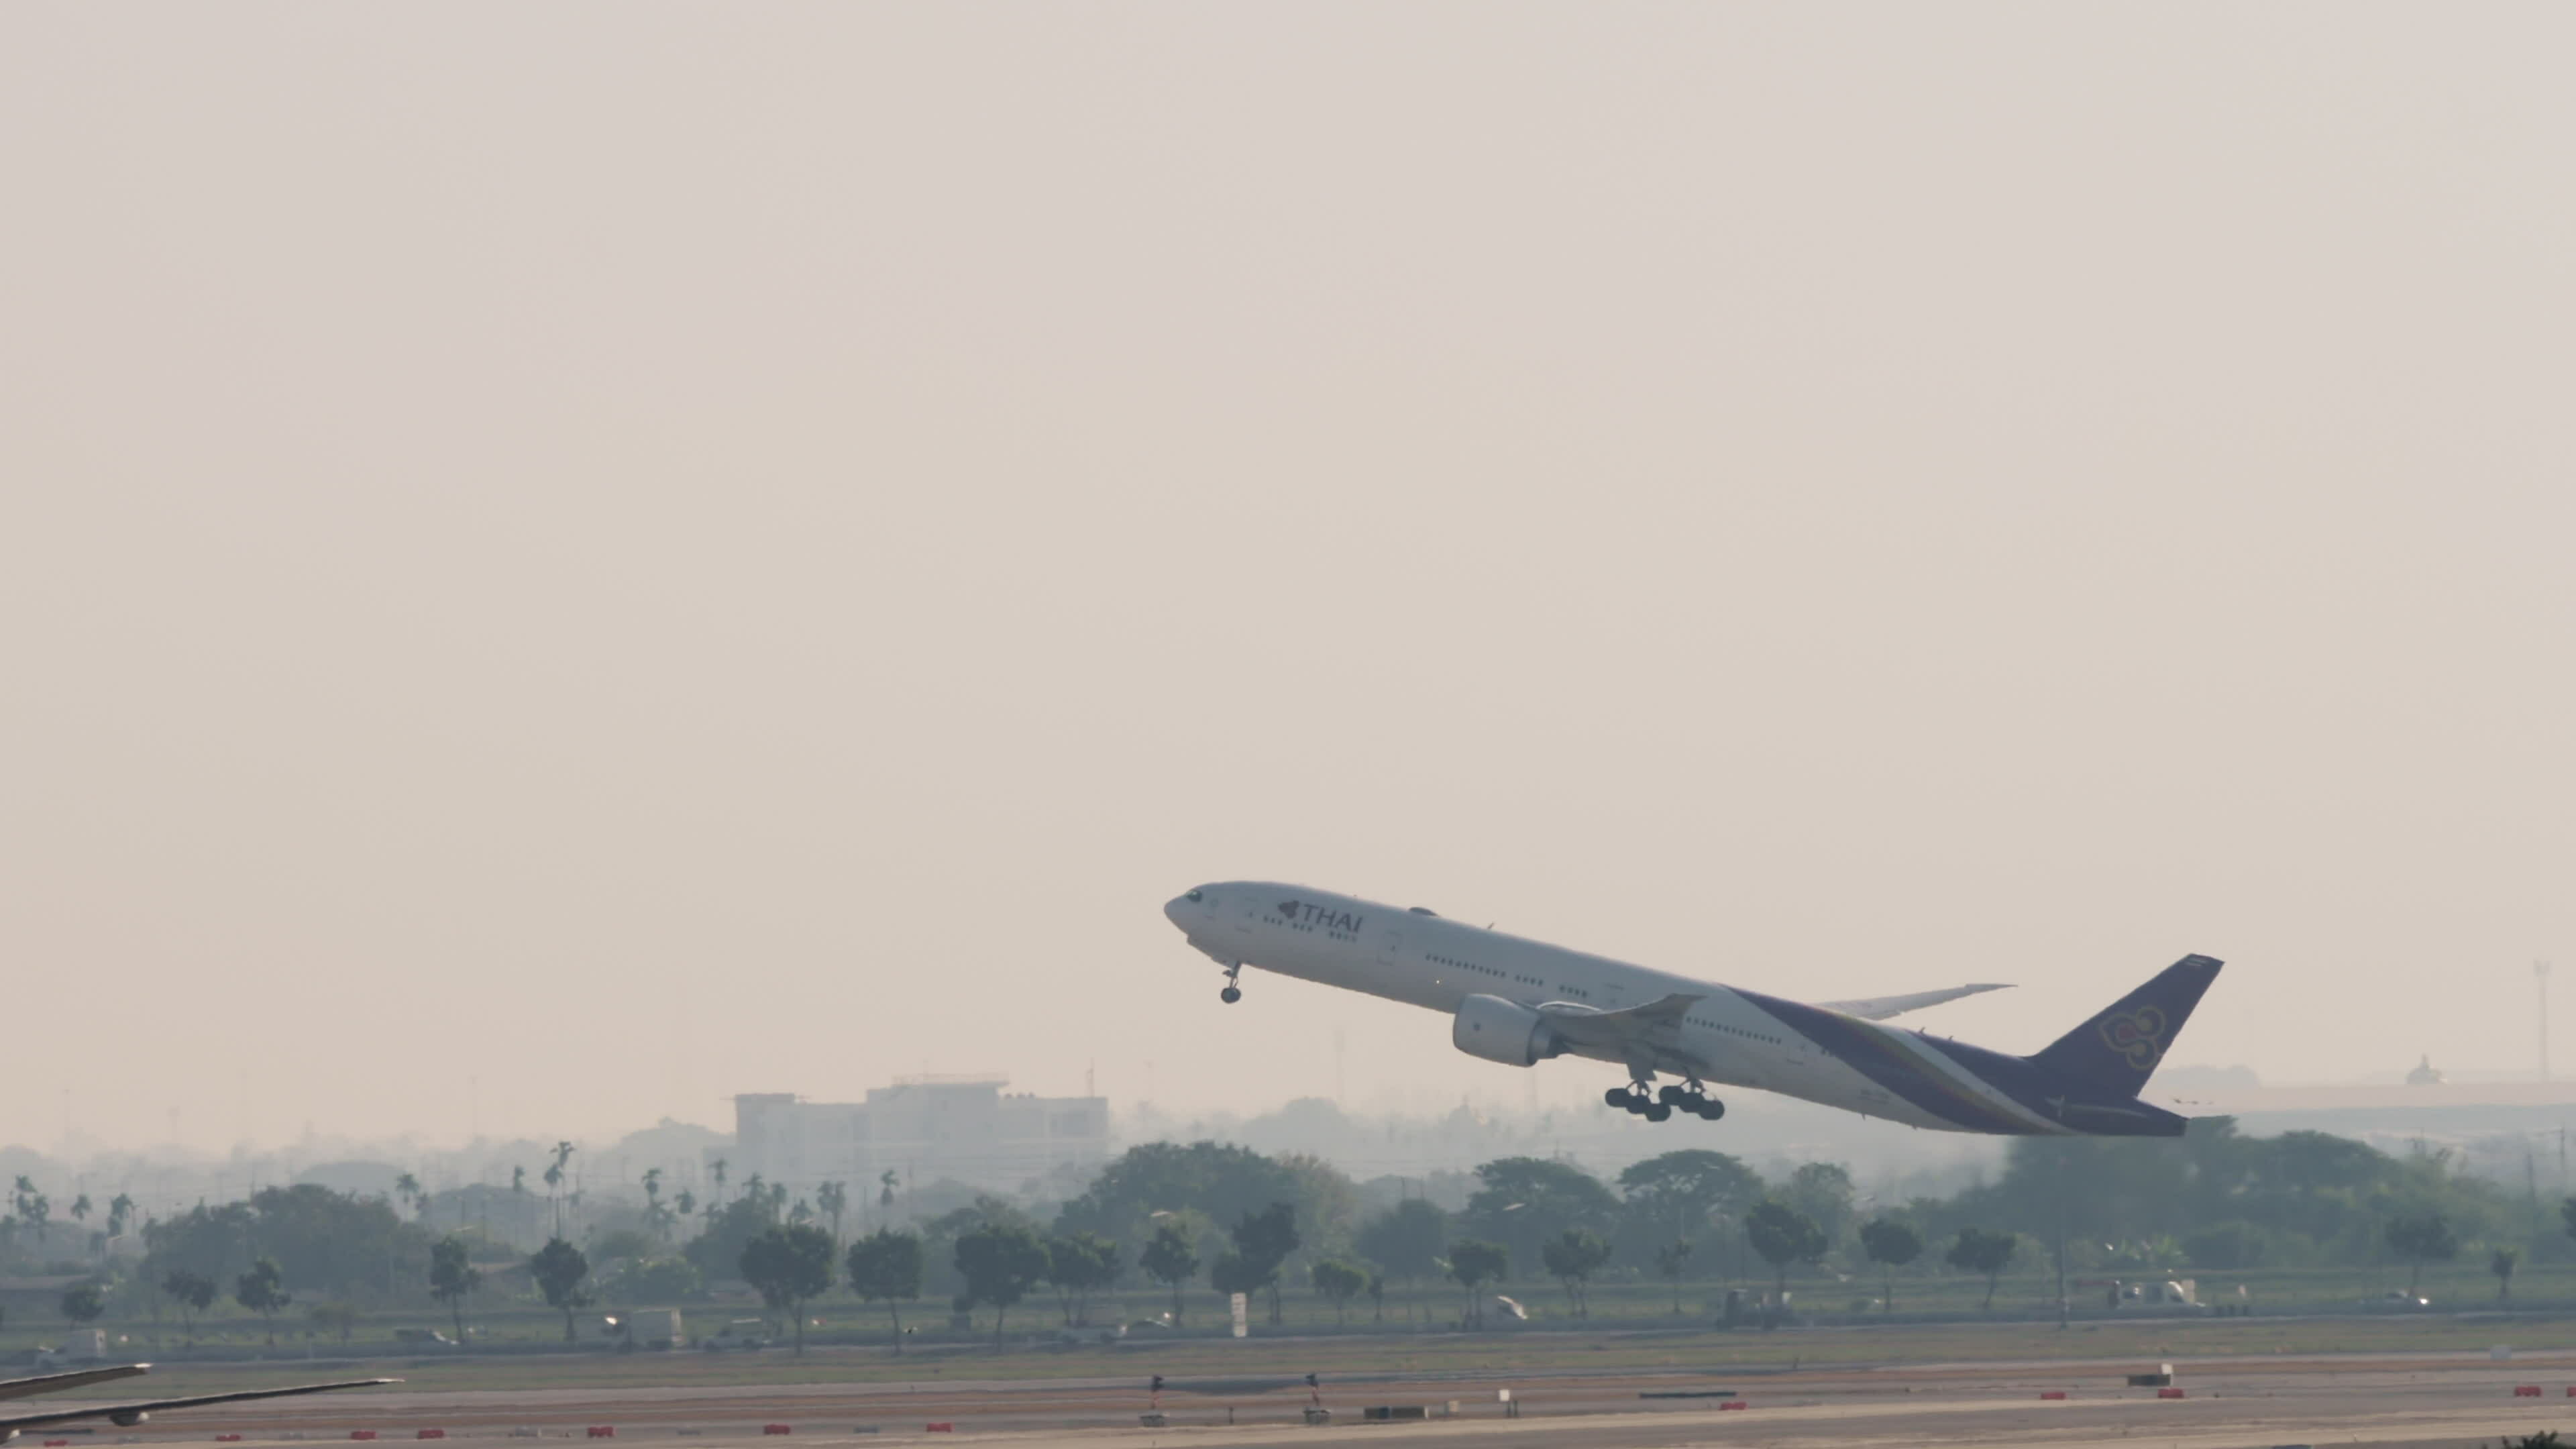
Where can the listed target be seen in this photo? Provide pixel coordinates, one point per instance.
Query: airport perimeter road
(2450, 1401)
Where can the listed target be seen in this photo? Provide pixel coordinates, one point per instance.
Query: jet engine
(1503, 1031)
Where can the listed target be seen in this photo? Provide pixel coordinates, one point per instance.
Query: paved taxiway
(2447, 1400)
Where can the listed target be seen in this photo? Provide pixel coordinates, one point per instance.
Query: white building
(921, 1129)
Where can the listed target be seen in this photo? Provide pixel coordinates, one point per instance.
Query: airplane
(126, 1416)
(1521, 1002)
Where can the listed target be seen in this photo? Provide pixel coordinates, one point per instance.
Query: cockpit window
(1194, 895)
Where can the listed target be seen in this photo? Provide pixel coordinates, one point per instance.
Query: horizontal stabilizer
(1880, 1008)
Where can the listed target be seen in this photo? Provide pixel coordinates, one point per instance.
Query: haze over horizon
(567, 563)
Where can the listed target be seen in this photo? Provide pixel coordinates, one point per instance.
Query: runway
(2452, 1401)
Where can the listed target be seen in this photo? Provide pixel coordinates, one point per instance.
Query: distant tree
(1782, 1235)
(1230, 1273)
(1408, 1242)
(558, 1269)
(407, 1192)
(1338, 1282)
(834, 1199)
(193, 1292)
(80, 1209)
(120, 1214)
(790, 1265)
(885, 1190)
(554, 1190)
(2501, 1263)
(1000, 1262)
(1824, 1192)
(1376, 1291)
(2566, 1214)
(84, 1304)
(518, 1179)
(1474, 1264)
(1524, 1201)
(2426, 1238)
(1671, 1260)
(1079, 1265)
(453, 1276)
(1683, 1193)
(684, 1202)
(885, 1267)
(1264, 1240)
(1572, 1257)
(1171, 1258)
(32, 1207)
(1979, 1251)
(261, 1290)
(337, 1318)
(716, 1169)
(1891, 1245)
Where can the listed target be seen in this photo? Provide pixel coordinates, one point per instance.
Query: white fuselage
(1413, 956)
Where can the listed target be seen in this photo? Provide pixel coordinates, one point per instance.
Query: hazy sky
(591, 557)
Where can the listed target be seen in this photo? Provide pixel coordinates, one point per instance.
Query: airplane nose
(1172, 910)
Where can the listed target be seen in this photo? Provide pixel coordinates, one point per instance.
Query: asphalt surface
(2452, 1401)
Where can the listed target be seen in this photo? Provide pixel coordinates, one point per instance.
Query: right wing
(1880, 1008)
(128, 1415)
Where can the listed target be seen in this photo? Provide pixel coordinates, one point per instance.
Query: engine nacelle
(1503, 1031)
(129, 1418)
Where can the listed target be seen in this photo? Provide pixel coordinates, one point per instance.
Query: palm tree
(555, 1181)
(717, 1167)
(407, 1189)
(835, 1200)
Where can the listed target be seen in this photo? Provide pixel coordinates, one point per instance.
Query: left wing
(1880, 1008)
(78, 1378)
(1655, 1025)
(128, 1415)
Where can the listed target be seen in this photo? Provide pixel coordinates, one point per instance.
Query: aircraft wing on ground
(1880, 1008)
(128, 1415)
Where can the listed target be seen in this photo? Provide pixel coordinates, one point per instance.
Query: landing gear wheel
(1656, 1112)
(1616, 1097)
(1230, 995)
(1710, 1109)
(1674, 1097)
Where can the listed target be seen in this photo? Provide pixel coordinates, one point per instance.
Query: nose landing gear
(1232, 992)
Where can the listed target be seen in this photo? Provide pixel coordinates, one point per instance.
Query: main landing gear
(1232, 993)
(1660, 1106)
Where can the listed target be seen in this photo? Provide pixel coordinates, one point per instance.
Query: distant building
(2425, 1073)
(922, 1129)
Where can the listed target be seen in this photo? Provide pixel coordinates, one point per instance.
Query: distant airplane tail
(2119, 1049)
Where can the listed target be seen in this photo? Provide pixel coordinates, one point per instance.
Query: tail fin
(2119, 1049)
